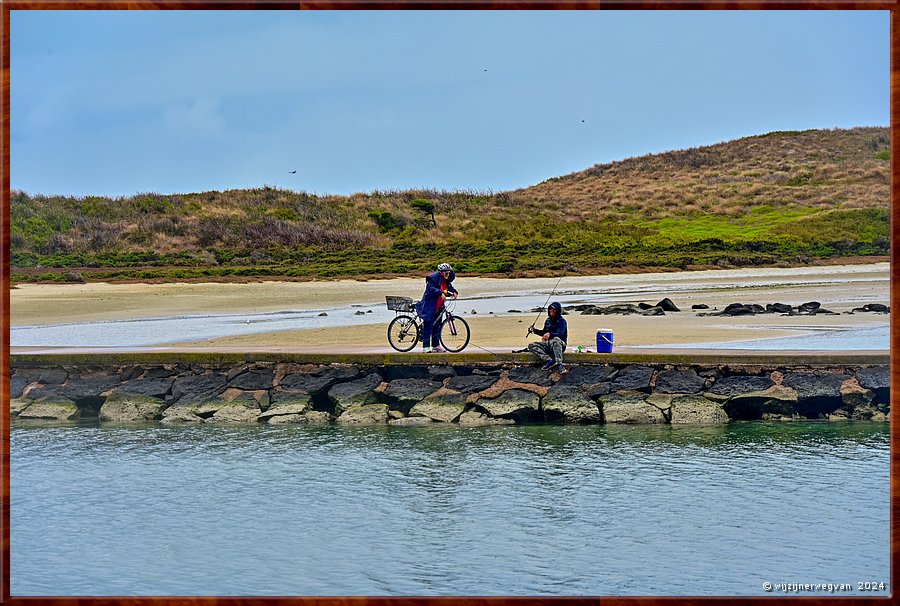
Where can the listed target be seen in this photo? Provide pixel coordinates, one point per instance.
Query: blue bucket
(604, 340)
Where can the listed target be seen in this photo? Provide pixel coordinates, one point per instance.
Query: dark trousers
(431, 330)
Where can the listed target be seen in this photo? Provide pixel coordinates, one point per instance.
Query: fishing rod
(531, 328)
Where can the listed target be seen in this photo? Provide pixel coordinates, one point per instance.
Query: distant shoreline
(536, 273)
(840, 288)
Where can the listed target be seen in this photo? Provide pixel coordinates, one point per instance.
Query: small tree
(385, 220)
(426, 207)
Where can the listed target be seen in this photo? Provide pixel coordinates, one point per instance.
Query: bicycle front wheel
(455, 334)
(403, 333)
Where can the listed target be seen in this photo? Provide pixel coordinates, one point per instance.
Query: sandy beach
(839, 288)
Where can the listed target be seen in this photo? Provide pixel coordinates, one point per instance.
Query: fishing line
(544, 306)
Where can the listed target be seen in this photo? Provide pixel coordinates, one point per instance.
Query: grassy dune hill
(779, 198)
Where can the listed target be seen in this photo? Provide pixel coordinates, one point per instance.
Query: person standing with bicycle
(438, 286)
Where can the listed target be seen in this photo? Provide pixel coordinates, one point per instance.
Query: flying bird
(293, 172)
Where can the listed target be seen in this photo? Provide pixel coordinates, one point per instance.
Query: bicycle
(405, 330)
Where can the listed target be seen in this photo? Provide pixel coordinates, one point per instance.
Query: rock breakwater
(482, 393)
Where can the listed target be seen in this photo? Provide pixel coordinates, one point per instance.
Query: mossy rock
(445, 408)
(238, 411)
(630, 407)
(696, 410)
(367, 414)
(17, 405)
(52, 410)
(120, 408)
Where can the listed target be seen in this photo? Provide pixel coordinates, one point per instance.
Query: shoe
(438, 350)
(549, 364)
(561, 369)
(426, 350)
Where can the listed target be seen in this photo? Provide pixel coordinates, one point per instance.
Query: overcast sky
(120, 102)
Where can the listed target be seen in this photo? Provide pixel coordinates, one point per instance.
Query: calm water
(155, 510)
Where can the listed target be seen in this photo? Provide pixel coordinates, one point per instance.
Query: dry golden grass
(817, 168)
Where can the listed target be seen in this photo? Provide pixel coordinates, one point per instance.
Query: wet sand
(839, 288)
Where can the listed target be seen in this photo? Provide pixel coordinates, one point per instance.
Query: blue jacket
(428, 307)
(557, 327)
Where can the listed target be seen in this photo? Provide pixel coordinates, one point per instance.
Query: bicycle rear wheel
(455, 334)
(403, 333)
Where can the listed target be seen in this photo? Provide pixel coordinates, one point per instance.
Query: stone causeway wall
(463, 392)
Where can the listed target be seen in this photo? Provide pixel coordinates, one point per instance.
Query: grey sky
(119, 102)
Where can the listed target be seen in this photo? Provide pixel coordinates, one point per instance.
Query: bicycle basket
(399, 303)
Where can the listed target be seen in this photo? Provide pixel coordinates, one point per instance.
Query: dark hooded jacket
(557, 326)
(429, 306)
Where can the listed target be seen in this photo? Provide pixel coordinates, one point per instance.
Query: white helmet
(444, 267)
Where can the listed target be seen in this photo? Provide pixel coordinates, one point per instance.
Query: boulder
(405, 393)
(354, 393)
(52, 409)
(808, 307)
(617, 308)
(90, 386)
(667, 305)
(403, 371)
(864, 412)
(127, 408)
(854, 395)
(471, 383)
(644, 306)
(473, 418)
(570, 404)
(17, 386)
(236, 411)
(411, 422)
(696, 410)
(595, 391)
(439, 373)
(154, 388)
(653, 311)
(258, 398)
(723, 389)
(318, 380)
(678, 381)
(44, 376)
(587, 376)
(198, 388)
(633, 378)
(818, 393)
(700, 306)
(254, 379)
(779, 308)
(530, 374)
(159, 372)
(878, 380)
(515, 404)
(190, 412)
(737, 309)
(17, 405)
(876, 308)
(777, 399)
(318, 417)
(445, 407)
(629, 407)
(296, 404)
(367, 414)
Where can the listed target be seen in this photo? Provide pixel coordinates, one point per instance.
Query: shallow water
(523, 510)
